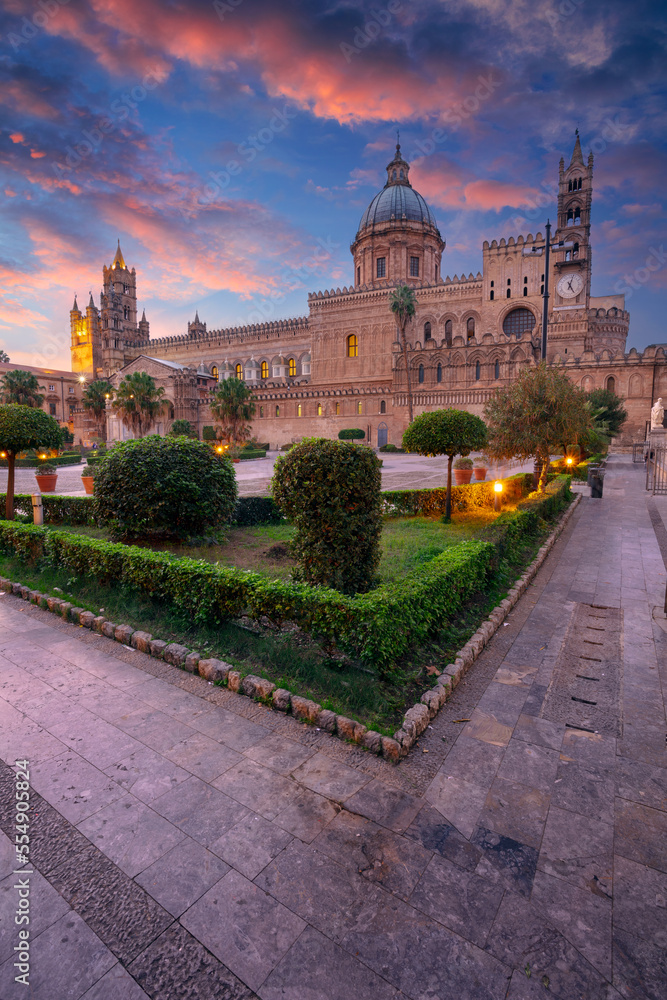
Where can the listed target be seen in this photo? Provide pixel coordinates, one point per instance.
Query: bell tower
(572, 266)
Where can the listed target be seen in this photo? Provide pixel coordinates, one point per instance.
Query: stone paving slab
(187, 842)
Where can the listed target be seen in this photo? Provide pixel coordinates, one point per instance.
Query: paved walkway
(187, 843)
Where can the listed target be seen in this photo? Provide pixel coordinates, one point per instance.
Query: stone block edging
(210, 669)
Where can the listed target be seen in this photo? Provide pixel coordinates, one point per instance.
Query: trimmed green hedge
(251, 453)
(378, 626)
(70, 458)
(58, 509)
(431, 502)
(256, 510)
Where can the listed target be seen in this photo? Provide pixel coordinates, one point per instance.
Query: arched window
(570, 217)
(358, 275)
(319, 409)
(393, 176)
(215, 373)
(383, 406)
(359, 408)
(496, 370)
(352, 346)
(448, 333)
(478, 371)
(517, 322)
(298, 409)
(438, 373)
(611, 384)
(381, 267)
(277, 410)
(239, 370)
(509, 288)
(401, 175)
(579, 184)
(261, 411)
(291, 367)
(265, 369)
(337, 409)
(470, 328)
(427, 331)
(420, 374)
(575, 251)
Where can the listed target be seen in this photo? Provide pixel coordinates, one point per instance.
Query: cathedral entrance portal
(382, 434)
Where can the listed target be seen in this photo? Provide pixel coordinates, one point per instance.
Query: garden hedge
(378, 627)
(431, 502)
(251, 453)
(70, 458)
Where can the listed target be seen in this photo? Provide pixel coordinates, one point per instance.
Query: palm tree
(94, 400)
(233, 407)
(4, 357)
(138, 402)
(22, 388)
(403, 304)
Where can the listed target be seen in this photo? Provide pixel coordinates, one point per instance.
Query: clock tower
(572, 266)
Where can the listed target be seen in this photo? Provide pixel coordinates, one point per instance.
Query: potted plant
(47, 477)
(480, 466)
(462, 471)
(88, 478)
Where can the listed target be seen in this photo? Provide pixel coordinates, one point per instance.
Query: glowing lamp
(82, 379)
(498, 486)
(3, 454)
(569, 461)
(497, 495)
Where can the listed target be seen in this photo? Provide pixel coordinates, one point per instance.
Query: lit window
(478, 371)
(239, 371)
(383, 406)
(359, 410)
(496, 370)
(298, 409)
(352, 346)
(420, 374)
(427, 331)
(381, 267)
(414, 267)
(52, 409)
(337, 409)
(438, 373)
(264, 370)
(261, 411)
(319, 409)
(277, 411)
(518, 322)
(215, 373)
(291, 367)
(71, 411)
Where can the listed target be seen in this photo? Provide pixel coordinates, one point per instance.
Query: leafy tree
(163, 487)
(446, 432)
(532, 417)
(182, 428)
(20, 387)
(4, 357)
(138, 402)
(233, 407)
(23, 427)
(94, 400)
(403, 304)
(351, 434)
(331, 492)
(610, 407)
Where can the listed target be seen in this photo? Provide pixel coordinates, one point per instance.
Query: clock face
(570, 285)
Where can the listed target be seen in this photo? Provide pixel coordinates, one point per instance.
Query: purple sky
(233, 146)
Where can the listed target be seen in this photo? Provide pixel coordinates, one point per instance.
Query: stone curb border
(415, 720)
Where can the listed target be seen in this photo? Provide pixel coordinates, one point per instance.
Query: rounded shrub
(164, 487)
(351, 434)
(330, 490)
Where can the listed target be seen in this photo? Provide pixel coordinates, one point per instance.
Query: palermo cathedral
(341, 365)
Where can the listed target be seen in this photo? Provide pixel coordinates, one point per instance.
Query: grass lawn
(407, 543)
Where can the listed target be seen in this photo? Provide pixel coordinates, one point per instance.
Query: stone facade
(341, 366)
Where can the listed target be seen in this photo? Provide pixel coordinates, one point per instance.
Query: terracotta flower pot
(480, 473)
(88, 483)
(462, 476)
(47, 483)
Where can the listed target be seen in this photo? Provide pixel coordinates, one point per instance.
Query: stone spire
(75, 307)
(577, 156)
(119, 260)
(397, 170)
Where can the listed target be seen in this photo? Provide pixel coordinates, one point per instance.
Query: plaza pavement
(188, 843)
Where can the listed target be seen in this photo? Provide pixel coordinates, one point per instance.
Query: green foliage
(378, 627)
(392, 448)
(182, 428)
(233, 406)
(351, 434)
(46, 469)
(446, 432)
(535, 415)
(251, 453)
(23, 427)
(256, 510)
(403, 304)
(208, 433)
(609, 406)
(164, 487)
(330, 490)
(57, 509)
(21, 388)
(138, 402)
(4, 357)
(69, 458)
(433, 502)
(94, 400)
(90, 471)
(463, 463)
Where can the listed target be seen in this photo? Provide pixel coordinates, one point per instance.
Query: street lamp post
(537, 252)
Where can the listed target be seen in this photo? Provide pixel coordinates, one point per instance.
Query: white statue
(657, 414)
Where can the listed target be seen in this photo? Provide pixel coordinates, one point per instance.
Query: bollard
(37, 509)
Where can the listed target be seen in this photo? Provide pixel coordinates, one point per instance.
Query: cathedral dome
(397, 201)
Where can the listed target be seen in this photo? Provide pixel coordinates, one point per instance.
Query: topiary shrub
(182, 427)
(208, 433)
(351, 434)
(330, 490)
(168, 487)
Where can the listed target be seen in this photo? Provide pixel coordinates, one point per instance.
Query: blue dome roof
(397, 201)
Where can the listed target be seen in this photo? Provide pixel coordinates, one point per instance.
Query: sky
(232, 146)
